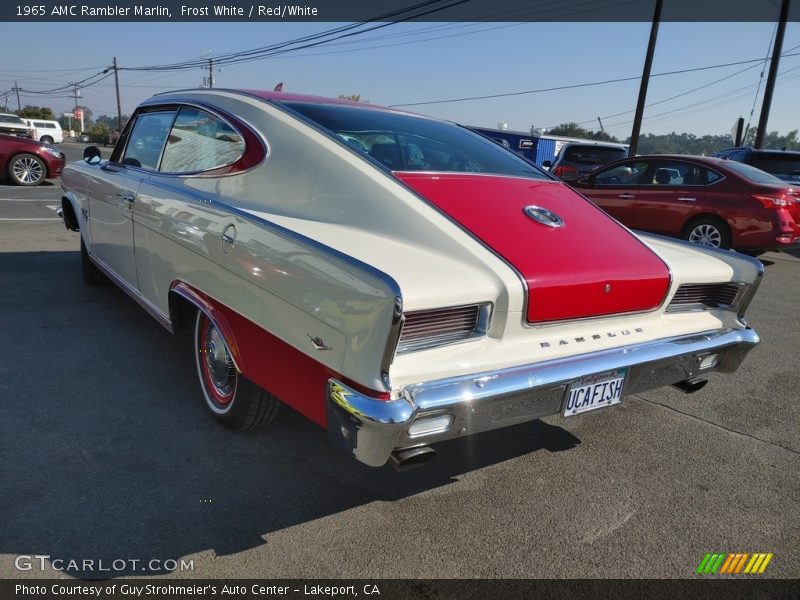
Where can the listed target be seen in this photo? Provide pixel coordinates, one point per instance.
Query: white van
(48, 132)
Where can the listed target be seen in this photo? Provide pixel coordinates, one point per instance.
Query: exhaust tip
(690, 386)
(405, 460)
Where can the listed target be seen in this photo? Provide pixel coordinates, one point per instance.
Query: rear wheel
(233, 400)
(708, 231)
(91, 274)
(46, 139)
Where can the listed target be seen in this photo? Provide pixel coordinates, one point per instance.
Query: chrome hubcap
(218, 362)
(706, 235)
(27, 170)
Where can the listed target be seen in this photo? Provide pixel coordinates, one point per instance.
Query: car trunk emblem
(544, 216)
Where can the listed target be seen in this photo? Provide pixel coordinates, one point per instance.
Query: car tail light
(562, 170)
(428, 328)
(777, 201)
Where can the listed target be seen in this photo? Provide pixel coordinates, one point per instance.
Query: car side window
(147, 139)
(712, 176)
(200, 141)
(674, 173)
(627, 174)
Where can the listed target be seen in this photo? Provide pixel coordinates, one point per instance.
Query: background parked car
(48, 132)
(709, 201)
(14, 125)
(84, 137)
(576, 159)
(27, 162)
(781, 163)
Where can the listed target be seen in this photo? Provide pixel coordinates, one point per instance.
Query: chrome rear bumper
(371, 429)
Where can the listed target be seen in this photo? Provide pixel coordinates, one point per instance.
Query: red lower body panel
(295, 378)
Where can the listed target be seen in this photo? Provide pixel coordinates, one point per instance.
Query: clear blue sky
(432, 61)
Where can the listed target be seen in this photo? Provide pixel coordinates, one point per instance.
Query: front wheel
(708, 231)
(27, 169)
(234, 401)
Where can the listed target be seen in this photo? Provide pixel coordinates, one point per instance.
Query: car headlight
(53, 151)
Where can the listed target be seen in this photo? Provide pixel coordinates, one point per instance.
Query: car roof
(274, 96)
(759, 150)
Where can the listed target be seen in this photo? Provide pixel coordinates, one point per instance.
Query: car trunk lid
(590, 266)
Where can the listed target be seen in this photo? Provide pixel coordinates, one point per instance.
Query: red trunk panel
(591, 266)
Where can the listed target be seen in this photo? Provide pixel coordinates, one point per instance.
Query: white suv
(48, 132)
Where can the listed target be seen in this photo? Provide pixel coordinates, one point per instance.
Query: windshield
(784, 166)
(403, 142)
(753, 174)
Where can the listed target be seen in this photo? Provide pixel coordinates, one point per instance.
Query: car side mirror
(91, 154)
(547, 164)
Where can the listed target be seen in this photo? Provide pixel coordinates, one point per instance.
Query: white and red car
(397, 279)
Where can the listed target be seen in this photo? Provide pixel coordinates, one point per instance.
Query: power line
(587, 84)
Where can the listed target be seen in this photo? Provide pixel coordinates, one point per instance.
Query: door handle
(127, 196)
(687, 199)
(627, 196)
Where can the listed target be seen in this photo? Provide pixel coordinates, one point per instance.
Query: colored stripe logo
(734, 563)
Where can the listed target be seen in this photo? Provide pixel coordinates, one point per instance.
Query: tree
(572, 129)
(773, 140)
(37, 112)
(111, 122)
(99, 132)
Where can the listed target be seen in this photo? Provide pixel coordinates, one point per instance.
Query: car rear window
(403, 142)
(593, 155)
(783, 166)
(753, 174)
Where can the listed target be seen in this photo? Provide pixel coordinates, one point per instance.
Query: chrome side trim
(162, 319)
(371, 429)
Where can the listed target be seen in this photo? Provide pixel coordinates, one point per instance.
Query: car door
(113, 189)
(670, 193)
(614, 189)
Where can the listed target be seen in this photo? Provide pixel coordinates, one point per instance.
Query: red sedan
(709, 201)
(27, 162)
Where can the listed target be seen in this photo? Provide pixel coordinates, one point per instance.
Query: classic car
(709, 201)
(397, 279)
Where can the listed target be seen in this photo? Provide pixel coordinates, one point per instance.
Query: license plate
(594, 391)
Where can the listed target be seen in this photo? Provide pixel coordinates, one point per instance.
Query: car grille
(705, 295)
(428, 328)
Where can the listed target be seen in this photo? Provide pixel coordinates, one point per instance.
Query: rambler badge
(544, 216)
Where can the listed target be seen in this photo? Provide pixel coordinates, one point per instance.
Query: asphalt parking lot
(108, 454)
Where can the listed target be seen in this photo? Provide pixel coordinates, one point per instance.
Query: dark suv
(577, 159)
(783, 164)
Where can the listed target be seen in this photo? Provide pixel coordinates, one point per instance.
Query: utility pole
(16, 89)
(601, 125)
(210, 72)
(76, 94)
(119, 105)
(648, 63)
(761, 132)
